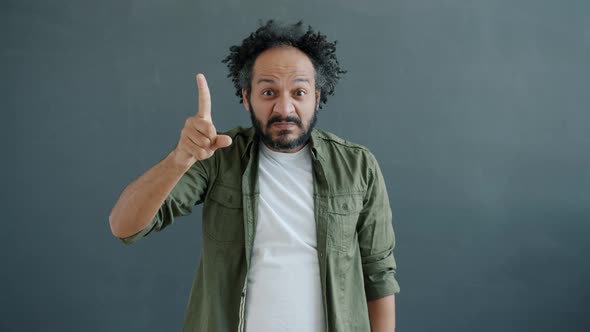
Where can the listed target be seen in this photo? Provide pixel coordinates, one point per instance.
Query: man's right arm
(140, 201)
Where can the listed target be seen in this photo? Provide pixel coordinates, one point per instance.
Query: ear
(318, 93)
(246, 101)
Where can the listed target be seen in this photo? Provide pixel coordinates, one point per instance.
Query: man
(297, 232)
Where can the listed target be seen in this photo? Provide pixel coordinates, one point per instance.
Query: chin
(283, 134)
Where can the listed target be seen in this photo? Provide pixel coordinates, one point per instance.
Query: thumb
(222, 141)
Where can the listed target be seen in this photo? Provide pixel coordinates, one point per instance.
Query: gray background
(478, 112)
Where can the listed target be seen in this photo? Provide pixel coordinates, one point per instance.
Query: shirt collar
(252, 140)
(317, 144)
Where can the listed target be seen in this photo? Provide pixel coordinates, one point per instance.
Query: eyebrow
(271, 81)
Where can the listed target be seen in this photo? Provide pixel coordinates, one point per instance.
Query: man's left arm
(382, 314)
(376, 242)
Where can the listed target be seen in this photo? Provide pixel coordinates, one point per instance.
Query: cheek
(305, 111)
(260, 112)
(259, 107)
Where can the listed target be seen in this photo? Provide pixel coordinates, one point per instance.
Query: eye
(267, 93)
(300, 93)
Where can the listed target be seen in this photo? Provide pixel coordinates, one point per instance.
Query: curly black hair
(316, 46)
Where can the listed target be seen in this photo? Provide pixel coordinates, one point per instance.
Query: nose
(284, 106)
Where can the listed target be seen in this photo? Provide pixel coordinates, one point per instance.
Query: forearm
(382, 314)
(140, 201)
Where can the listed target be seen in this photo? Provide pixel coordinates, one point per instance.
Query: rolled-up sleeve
(377, 239)
(188, 192)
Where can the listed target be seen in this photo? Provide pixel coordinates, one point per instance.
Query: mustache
(292, 119)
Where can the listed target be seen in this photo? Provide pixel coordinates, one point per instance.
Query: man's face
(283, 100)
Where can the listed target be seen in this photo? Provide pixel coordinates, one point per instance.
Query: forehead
(283, 62)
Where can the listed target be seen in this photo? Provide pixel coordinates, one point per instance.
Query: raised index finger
(204, 98)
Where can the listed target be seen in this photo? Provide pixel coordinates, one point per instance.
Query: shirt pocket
(223, 215)
(343, 212)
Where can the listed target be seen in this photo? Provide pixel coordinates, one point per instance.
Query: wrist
(178, 162)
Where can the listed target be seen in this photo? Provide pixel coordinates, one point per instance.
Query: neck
(296, 149)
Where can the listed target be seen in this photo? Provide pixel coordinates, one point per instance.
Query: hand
(198, 138)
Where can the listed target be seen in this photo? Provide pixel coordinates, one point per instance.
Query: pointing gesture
(204, 98)
(198, 138)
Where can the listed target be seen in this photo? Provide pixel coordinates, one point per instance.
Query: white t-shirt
(284, 289)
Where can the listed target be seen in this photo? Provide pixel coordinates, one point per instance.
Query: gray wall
(478, 112)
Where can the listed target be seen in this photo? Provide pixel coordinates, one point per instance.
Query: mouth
(284, 125)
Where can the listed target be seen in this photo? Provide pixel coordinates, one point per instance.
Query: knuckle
(205, 141)
(200, 121)
(211, 131)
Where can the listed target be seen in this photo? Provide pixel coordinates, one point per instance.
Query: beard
(282, 141)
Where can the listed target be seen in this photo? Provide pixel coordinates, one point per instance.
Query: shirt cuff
(142, 233)
(380, 278)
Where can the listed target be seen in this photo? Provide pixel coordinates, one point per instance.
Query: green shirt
(355, 238)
